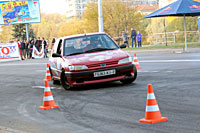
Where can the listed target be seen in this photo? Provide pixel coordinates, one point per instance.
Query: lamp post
(100, 16)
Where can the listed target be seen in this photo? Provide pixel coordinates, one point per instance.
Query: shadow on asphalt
(99, 86)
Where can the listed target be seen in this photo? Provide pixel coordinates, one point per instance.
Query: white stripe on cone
(49, 98)
(48, 74)
(152, 108)
(151, 96)
(46, 89)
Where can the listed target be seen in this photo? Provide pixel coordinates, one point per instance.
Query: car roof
(79, 35)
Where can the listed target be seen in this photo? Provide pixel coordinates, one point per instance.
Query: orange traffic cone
(48, 75)
(136, 62)
(152, 114)
(48, 101)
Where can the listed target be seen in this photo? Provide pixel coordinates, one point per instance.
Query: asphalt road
(106, 108)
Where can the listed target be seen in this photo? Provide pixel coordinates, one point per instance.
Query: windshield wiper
(98, 49)
(75, 53)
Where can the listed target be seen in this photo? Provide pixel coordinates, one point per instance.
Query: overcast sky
(53, 6)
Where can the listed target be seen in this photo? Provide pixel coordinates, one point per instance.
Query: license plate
(104, 73)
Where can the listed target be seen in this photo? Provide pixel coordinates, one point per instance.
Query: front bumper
(87, 77)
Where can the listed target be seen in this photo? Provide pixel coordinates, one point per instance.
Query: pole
(27, 34)
(100, 16)
(165, 33)
(199, 27)
(174, 37)
(185, 33)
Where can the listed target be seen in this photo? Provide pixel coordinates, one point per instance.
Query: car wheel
(131, 79)
(64, 82)
(55, 82)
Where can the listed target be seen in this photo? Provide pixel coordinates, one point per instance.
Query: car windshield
(88, 43)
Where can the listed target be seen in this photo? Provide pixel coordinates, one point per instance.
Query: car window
(108, 42)
(55, 46)
(59, 49)
(88, 42)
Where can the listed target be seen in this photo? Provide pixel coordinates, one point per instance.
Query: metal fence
(169, 38)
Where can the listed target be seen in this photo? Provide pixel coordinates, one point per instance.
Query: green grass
(189, 45)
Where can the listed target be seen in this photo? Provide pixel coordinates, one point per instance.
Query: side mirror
(56, 55)
(123, 46)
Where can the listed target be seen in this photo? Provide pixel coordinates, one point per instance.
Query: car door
(55, 62)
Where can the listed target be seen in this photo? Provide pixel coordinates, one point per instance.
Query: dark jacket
(31, 43)
(22, 45)
(38, 43)
(26, 46)
(133, 33)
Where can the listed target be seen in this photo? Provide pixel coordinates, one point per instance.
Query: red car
(90, 58)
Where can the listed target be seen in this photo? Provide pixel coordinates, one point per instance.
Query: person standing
(38, 44)
(125, 38)
(22, 46)
(31, 43)
(26, 49)
(139, 39)
(133, 37)
(44, 43)
(19, 46)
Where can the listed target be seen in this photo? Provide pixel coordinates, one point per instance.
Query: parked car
(88, 59)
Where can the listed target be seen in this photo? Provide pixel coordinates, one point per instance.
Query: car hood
(95, 57)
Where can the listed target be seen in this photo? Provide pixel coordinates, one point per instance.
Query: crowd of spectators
(26, 46)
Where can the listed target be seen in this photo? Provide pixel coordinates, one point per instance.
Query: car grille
(98, 64)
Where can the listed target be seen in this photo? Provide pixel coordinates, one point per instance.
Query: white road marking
(40, 70)
(22, 64)
(42, 87)
(161, 61)
(148, 71)
(169, 71)
(154, 71)
(143, 71)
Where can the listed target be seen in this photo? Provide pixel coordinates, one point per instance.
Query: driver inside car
(94, 43)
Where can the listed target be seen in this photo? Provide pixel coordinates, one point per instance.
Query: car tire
(132, 79)
(55, 82)
(64, 82)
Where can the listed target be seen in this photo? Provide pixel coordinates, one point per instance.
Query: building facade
(146, 6)
(145, 2)
(75, 8)
(163, 3)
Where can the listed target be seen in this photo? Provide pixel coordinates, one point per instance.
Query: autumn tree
(19, 31)
(71, 27)
(49, 26)
(178, 25)
(117, 16)
(5, 34)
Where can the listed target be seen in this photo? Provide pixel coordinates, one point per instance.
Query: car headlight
(77, 67)
(125, 60)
